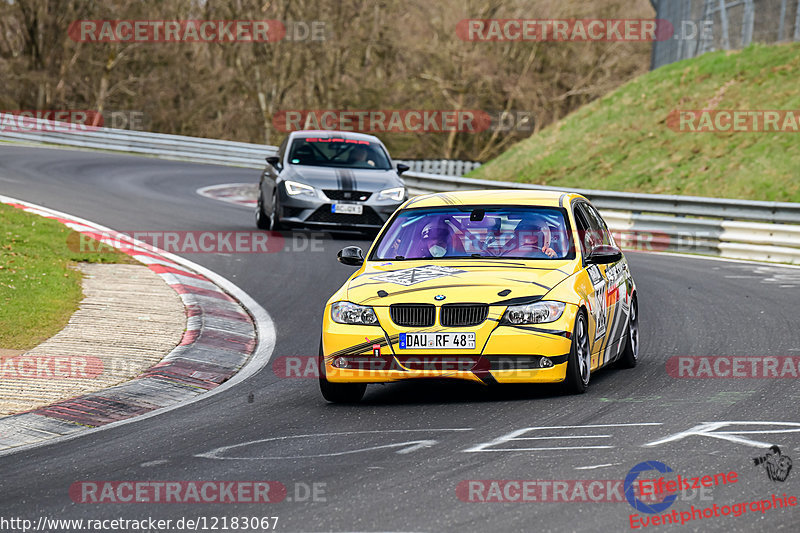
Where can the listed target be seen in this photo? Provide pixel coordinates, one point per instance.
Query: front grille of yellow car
(413, 315)
(463, 315)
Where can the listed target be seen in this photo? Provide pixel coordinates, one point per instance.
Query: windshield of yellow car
(507, 232)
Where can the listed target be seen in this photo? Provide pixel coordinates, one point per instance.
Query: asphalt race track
(394, 462)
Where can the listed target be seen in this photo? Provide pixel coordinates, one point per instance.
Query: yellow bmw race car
(506, 286)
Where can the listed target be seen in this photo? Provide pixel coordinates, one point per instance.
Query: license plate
(434, 341)
(347, 209)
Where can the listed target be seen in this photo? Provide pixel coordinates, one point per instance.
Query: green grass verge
(622, 141)
(38, 289)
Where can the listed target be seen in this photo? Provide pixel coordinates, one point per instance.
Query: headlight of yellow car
(350, 313)
(535, 313)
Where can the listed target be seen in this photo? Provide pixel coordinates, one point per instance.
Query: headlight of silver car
(297, 189)
(396, 194)
(350, 313)
(535, 313)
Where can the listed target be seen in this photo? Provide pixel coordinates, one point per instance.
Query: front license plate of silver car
(347, 209)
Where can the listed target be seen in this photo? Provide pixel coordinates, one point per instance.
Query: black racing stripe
(556, 360)
(486, 377)
(417, 199)
(529, 281)
(359, 348)
(521, 266)
(338, 173)
(559, 332)
(559, 359)
(448, 199)
(413, 290)
(519, 300)
(348, 180)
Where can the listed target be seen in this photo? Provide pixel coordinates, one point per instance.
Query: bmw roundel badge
(439, 297)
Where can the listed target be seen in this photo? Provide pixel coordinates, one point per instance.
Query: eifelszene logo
(630, 481)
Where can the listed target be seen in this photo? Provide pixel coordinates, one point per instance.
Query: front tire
(630, 355)
(275, 221)
(579, 361)
(338, 392)
(263, 220)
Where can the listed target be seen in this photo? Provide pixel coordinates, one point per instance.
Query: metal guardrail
(740, 229)
(185, 148)
(448, 167)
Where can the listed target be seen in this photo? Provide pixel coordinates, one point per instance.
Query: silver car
(329, 180)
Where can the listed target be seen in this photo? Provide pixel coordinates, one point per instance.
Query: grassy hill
(623, 141)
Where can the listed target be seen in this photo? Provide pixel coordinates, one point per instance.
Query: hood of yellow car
(455, 281)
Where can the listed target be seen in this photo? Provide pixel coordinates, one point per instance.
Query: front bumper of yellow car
(535, 353)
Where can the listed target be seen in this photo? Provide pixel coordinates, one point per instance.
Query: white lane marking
(714, 258)
(157, 462)
(566, 437)
(555, 448)
(709, 429)
(516, 436)
(407, 447)
(418, 445)
(593, 467)
(265, 329)
(415, 445)
(242, 199)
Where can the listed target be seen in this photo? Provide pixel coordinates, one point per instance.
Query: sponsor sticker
(413, 276)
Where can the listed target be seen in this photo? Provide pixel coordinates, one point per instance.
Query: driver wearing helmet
(532, 238)
(437, 238)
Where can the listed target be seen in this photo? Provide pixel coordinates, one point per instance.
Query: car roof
(530, 197)
(331, 133)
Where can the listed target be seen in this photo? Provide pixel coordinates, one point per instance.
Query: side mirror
(402, 168)
(351, 256)
(604, 255)
(273, 160)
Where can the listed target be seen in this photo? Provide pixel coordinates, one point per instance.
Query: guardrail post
(747, 23)
(797, 23)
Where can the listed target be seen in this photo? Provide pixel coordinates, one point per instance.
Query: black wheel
(263, 220)
(276, 222)
(630, 355)
(580, 358)
(338, 392)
